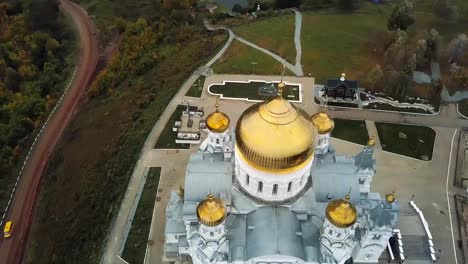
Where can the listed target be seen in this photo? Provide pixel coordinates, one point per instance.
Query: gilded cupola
(323, 123)
(211, 211)
(217, 121)
(275, 136)
(341, 213)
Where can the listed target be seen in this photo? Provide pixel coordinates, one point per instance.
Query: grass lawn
(197, 88)
(274, 34)
(250, 90)
(383, 106)
(242, 59)
(167, 138)
(336, 43)
(135, 246)
(463, 107)
(351, 130)
(412, 141)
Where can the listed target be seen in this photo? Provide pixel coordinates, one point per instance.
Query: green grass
(135, 246)
(242, 59)
(167, 138)
(351, 130)
(250, 90)
(197, 88)
(336, 43)
(274, 34)
(412, 141)
(463, 107)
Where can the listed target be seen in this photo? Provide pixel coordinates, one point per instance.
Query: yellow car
(7, 230)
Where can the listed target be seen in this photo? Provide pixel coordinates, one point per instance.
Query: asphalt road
(21, 211)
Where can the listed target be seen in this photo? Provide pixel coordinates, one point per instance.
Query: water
(230, 3)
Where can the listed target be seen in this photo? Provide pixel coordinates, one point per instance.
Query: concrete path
(122, 223)
(297, 68)
(297, 40)
(372, 131)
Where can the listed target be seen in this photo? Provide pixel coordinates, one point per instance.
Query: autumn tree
(402, 16)
(457, 48)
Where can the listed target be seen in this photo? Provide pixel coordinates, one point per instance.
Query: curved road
(21, 211)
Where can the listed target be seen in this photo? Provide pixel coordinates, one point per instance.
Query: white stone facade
(212, 233)
(217, 142)
(337, 243)
(269, 186)
(322, 143)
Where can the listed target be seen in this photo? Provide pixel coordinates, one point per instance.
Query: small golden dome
(323, 122)
(217, 121)
(341, 213)
(390, 198)
(211, 211)
(275, 136)
(371, 142)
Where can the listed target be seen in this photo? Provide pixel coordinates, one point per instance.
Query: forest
(33, 48)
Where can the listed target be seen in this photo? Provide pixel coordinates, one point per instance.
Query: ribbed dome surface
(341, 213)
(323, 122)
(211, 211)
(274, 135)
(217, 122)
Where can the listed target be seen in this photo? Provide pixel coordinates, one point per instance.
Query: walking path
(372, 131)
(297, 68)
(121, 226)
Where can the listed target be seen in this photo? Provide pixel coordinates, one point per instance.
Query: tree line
(32, 63)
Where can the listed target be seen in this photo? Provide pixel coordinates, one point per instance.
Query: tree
(402, 16)
(433, 44)
(421, 48)
(237, 9)
(443, 9)
(457, 48)
(43, 15)
(374, 75)
(347, 5)
(287, 3)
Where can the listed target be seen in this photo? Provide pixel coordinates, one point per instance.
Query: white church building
(273, 190)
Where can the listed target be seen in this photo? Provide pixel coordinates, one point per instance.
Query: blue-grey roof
(273, 230)
(326, 173)
(207, 173)
(364, 160)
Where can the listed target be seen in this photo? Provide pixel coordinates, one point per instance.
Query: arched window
(217, 141)
(275, 189)
(247, 179)
(260, 186)
(289, 186)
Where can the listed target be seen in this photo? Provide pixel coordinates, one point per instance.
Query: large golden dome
(217, 121)
(341, 213)
(275, 136)
(211, 211)
(323, 122)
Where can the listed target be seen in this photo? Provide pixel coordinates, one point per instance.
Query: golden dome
(211, 211)
(371, 142)
(217, 121)
(390, 198)
(275, 136)
(323, 122)
(341, 213)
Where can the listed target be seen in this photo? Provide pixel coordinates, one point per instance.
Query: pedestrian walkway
(372, 131)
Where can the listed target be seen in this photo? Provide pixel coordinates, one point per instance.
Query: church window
(212, 234)
(338, 235)
(217, 141)
(275, 189)
(330, 232)
(376, 237)
(362, 181)
(289, 186)
(260, 186)
(247, 179)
